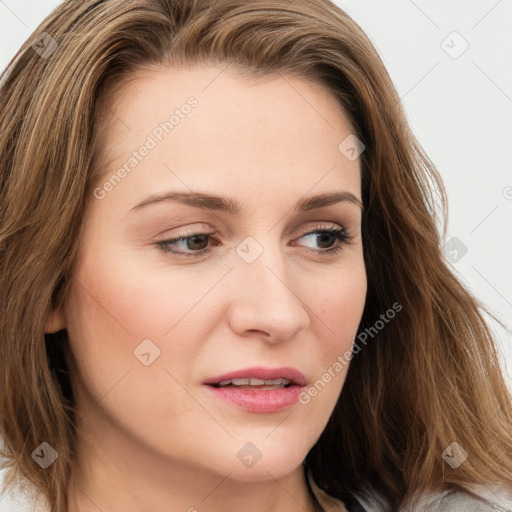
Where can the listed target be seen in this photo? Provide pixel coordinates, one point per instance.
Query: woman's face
(263, 281)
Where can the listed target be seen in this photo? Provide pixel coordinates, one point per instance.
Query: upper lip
(260, 372)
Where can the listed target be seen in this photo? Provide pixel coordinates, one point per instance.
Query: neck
(116, 472)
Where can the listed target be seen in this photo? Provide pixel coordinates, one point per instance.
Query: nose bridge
(266, 299)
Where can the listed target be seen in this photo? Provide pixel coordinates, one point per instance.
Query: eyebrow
(226, 204)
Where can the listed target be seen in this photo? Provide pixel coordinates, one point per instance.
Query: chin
(257, 465)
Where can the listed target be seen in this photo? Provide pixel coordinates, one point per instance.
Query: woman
(177, 332)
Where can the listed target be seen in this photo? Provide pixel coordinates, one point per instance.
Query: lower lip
(259, 400)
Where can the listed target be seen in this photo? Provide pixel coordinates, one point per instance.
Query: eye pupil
(194, 242)
(322, 238)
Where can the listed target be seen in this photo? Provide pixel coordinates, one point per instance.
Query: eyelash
(341, 235)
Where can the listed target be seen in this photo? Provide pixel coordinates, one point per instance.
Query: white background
(460, 110)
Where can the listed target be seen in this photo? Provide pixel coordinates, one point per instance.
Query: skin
(151, 438)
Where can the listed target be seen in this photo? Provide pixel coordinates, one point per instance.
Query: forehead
(205, 122)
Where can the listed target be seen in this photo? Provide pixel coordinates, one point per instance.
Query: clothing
(326, 502)
(476, 499)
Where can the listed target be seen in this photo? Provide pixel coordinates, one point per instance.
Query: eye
(330, 240)
(193, 245)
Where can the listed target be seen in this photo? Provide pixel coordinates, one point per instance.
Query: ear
(55, 321)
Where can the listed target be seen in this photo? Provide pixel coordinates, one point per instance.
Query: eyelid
(204, 229)
(320, 226)
(188, 230)
(343, 236)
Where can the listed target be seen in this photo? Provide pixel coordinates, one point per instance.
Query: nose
(265, 304)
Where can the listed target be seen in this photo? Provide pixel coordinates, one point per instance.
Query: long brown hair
(431, 377)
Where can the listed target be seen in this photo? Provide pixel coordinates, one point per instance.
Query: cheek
(113, 309)
(339, 302)
(138, 300)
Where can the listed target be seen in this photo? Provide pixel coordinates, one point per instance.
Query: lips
(258, 389)
(253, 383)
(257, 374)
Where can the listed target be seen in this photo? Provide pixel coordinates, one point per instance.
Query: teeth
(254, 382)
(240, 382)
(278, 381)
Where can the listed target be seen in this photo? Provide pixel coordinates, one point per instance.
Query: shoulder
(472, 498)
